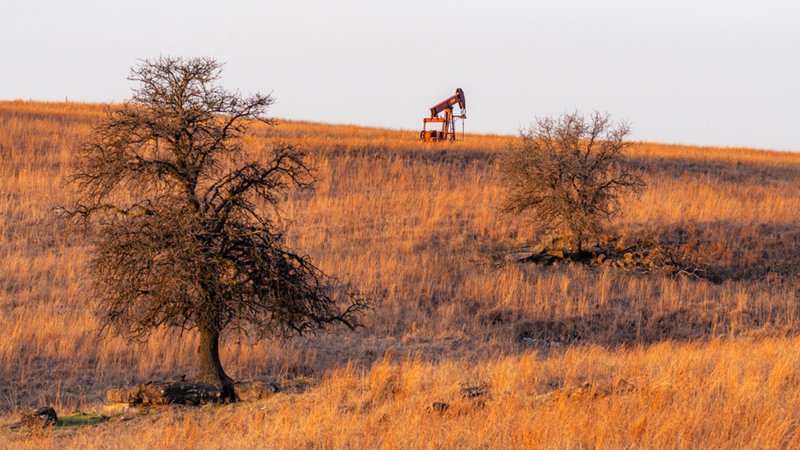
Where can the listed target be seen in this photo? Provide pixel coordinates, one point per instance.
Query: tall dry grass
(720, 394)
(417, 230)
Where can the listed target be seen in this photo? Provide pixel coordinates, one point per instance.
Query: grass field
(565, 356)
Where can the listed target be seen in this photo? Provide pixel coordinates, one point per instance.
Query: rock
(623, 386)
(41, 418)
(121, 395)
(440, 407)
(184, 393)
(166, 393)
(154, 393)
(115, 409)
(556, 252)
(547, 260)
(537, 249)
(586, 389)
(600, 258)
(192, 393)
(251, 391)
(473, 392)
(518, 256)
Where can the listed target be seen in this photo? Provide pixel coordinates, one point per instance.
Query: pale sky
(706, 72)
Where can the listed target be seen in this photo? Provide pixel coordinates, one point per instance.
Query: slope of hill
(561, 356)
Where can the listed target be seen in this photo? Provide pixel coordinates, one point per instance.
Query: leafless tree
(566, 174)
(185, 222)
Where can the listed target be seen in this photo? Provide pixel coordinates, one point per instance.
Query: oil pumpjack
(448, 120)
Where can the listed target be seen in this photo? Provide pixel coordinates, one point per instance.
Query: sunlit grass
(415, 228)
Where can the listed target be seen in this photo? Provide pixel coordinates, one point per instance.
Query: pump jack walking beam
(448, 121)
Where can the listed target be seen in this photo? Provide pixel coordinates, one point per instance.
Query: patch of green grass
(65, 423)
(81, 420)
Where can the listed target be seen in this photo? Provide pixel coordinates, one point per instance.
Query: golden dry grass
(670, 362)
(719, 394)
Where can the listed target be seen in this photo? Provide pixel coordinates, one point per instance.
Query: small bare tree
(566, 174)
(183, 219)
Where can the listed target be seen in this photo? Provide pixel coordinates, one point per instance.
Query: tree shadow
(728, 250)
(433, 155)
(763, 173)
(613, 329)
(733, 171)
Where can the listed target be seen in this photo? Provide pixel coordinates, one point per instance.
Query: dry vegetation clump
(565, 175)
(710, 362)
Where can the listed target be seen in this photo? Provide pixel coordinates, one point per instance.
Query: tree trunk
(211, 371)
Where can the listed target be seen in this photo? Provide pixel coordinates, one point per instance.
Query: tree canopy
(184, 218)
(566, 175)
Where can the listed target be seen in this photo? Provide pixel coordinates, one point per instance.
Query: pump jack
(448, 121)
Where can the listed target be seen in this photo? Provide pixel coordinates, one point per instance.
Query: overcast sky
(708, 72)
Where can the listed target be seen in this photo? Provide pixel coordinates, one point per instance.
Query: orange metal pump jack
(448, 121)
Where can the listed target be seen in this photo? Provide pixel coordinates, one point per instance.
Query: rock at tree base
(250, 391)
(41, 418)
(183, 393)
(167, 393)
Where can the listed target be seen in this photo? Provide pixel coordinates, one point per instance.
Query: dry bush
(565, 174)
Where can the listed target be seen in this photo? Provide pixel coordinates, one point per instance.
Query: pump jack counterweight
(448, 119)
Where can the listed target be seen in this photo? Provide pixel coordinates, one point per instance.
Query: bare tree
(184, 220)
(566, 174)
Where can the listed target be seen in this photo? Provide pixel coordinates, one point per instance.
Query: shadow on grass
(727, 250)
(645, 328)
(722, 171)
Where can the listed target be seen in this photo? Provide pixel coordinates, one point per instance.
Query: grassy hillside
(566, 355)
